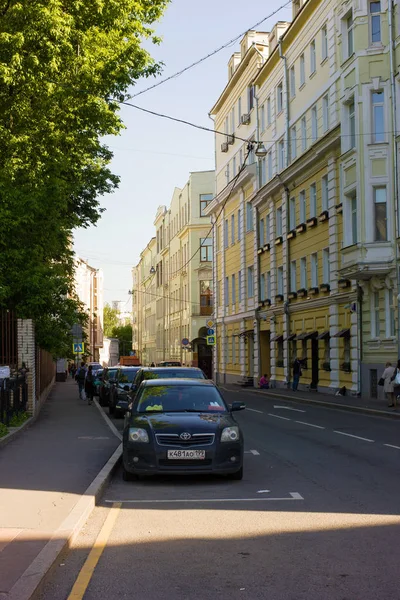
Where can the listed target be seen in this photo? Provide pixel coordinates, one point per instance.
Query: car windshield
(127, 375)
(174, 373)
(179, 398)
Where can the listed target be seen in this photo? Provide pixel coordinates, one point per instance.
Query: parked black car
(118, 397)
(98, 381)
(147, 373)
(109, 378)
(181, 426)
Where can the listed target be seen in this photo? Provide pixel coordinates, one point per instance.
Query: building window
(205, 200)
(281, 155)
(226, 291)
(292, 213)
(313, 58)
(279, 97)
(326, 273)
(263, 171)
(262, 287)
(325, 113)
(269, 114)
(268, 284)
(293, 143)
(240, 286)
(352, 124)
(303, 134)
(239, 224)
(313, 200)
(227, 175)
(240, 158)
(206, 298)
(375, 320)
(292, 82)
(234, 166)
(302, 70)
(314, 270)
(280, 280)
(226, 127)
(205, 249)
(390, 314)
(375, 22)
(378, 117)
(232, 229)
(268, 227)
(261, 233)
(293, 276)
(324, 190)
(226, 233)
(262, 117)
(269, 163)
(233, 290)
(250, 97)
(380, 214)
(324, 43)
(233, 120)
(303, 206)
(279, 221)
(233, 350)
(303, 272)
(314, 123)
(239, 110)
(249, 217)
(250, 282)
(349, 35)
(351, 210)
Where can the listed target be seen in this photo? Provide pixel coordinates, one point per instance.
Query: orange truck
(129, 361)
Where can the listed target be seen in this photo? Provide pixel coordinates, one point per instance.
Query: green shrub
(3, 430)
(18, 419)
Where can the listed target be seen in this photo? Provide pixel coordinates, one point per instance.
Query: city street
(316, 516)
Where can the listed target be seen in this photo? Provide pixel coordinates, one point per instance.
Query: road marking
(254, 452)
(310, 424)
(357, 437)
(254, 410)
(86, 573)
(263, 491)
(391, 446)
(293, 496)
(290, 408)
(279, 417)
(92, 437)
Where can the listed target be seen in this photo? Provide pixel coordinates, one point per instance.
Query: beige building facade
(89, 286)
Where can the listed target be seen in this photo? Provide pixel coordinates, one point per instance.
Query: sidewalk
(43, 474)
(348, 402)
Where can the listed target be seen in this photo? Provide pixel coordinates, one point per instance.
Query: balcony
(363, 261)
(206, 311)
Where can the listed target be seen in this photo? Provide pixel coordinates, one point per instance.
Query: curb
(347, 407)
(30, 583)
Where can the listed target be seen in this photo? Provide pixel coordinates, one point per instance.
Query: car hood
(178, 422)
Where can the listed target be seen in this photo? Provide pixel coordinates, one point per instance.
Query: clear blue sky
(152, 155)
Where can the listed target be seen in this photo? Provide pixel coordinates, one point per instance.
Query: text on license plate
(186, 454)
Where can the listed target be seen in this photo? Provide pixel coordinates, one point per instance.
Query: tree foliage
(110, 320)
(64, 65)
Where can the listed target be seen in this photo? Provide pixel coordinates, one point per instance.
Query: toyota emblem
(185, 436)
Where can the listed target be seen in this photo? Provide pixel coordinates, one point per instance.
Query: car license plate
(186, 454)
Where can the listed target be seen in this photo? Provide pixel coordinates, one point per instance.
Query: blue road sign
(211, 340)
(210, 331)
(78, 347)
(185, 342)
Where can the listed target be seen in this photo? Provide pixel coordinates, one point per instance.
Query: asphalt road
(316, 517)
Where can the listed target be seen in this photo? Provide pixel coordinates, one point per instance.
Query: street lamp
(261, 150)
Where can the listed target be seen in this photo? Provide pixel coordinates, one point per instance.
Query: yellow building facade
(303, 238)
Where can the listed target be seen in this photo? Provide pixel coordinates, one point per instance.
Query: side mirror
(237, 406)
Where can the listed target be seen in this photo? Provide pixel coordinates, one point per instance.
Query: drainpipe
(395, 160)
(287, 162)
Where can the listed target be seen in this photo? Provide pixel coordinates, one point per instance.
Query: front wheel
(237, 476)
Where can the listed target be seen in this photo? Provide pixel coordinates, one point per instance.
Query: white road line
(357, 437)
(279, 417)
(391, 446)
(293, 496)
(254, 410)
(290, 408)
(310, 424)
(255, 452)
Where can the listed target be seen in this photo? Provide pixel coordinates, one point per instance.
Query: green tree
(110, 320)
(124, 335)
(64, 67)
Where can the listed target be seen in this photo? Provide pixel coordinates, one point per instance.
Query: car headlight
(230, 434)
(138, 435)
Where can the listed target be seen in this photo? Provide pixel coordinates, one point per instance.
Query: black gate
(8, 339)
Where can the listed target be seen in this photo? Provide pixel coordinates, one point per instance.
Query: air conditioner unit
(224, 147)
(231, 139)
(245, 119)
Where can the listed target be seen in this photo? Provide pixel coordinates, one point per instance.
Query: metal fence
(8, 339)
(13, 397)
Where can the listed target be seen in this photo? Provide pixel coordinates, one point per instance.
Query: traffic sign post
(211, 340)
(185, 342)
(78, 347)
(210, 331)
(210, 324)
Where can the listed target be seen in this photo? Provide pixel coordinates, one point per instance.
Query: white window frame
(239, 225)
(226, 291)
(302, 80)
(351, 115)
(293, 143)
(314, 123)
(250, 281)
(378, 136)
(375, 16)
(279, 219)
(313, 200)
(293, 276)
(239, 110)
(279, 98)
(303, 206)
(375, 315)
(261, 233)
(280, 280)
(268, 227)
(304, 133)
(262, 117)
(325, 113)
(233, 350)
(313, 58)
(324, 43)
(232, 229)
(226, 233)
(270, 166)
(292, 78)
(234, 166)
(326, 268)
(263, 170)
(281, 155)
(292, 213)
(262, 287)
(351, 221)
(390, 320)
(314, 269)
(268, 290)
(375, 189)
(240, 297)
(348, 35)
(303, 272)
(249, 217)
(325, 192)
(233, 288)
(269, 111)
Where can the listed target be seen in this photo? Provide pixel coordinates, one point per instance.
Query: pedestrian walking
(297, 373)
(388, 387)
(89, 384)
(80, 378)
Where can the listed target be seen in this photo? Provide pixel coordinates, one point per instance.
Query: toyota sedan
(181, 426)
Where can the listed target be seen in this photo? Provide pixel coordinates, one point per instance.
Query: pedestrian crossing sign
(78, 347)
(211, 340)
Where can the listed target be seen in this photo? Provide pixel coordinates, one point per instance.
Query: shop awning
(343, 333)
(291, 337)
(324, 335)
(307, 335)
(277, 338)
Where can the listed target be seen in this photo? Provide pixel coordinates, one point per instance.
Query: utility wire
(197, 62)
